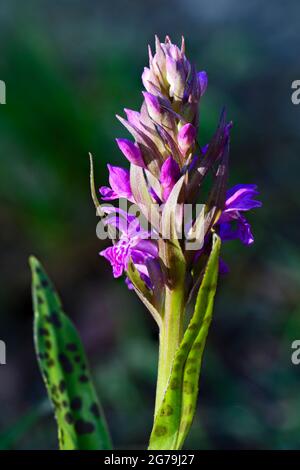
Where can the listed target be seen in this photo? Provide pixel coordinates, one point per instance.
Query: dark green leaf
(63, 364)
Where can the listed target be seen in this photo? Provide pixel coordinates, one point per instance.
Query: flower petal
(108, 194)
(131, 151)
(240, 198)
(120, 181)
(153, 106)
(118, 255)
(242, 231)
(186, 137)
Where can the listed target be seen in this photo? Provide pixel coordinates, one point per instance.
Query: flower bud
(150, 81)
(186, 138)
(131, 151)
(153, 106)
(119, 181)
(175, 77)
(170, 173)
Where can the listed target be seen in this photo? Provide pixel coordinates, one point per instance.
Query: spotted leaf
(63, 365)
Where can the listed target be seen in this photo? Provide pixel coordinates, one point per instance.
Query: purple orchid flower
(239, 199)
(168, 170)
(134, 244)
(165, 148)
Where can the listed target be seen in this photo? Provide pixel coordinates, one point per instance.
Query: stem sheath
(169, 339)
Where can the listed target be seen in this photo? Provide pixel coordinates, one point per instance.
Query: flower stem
(169, 339)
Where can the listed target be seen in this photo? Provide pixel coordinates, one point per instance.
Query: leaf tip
(33, 262)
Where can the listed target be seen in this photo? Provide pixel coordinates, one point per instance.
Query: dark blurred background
(69, 66)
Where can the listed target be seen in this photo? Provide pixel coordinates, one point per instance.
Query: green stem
(170, 336)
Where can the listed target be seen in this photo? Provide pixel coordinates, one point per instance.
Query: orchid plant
(166, 239)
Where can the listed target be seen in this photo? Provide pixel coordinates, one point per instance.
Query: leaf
(217, 196)
(142, 291)
(205, 162)
(63, 365)
(174, 417)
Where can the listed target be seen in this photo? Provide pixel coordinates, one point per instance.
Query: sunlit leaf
(174, 417)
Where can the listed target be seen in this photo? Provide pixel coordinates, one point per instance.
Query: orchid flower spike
(167, 257)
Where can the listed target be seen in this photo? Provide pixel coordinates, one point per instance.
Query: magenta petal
(119, 179)
(111, 255)
(169, 175)
(153, 105)
(131, 151)
(118, 255)
(107, 193)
